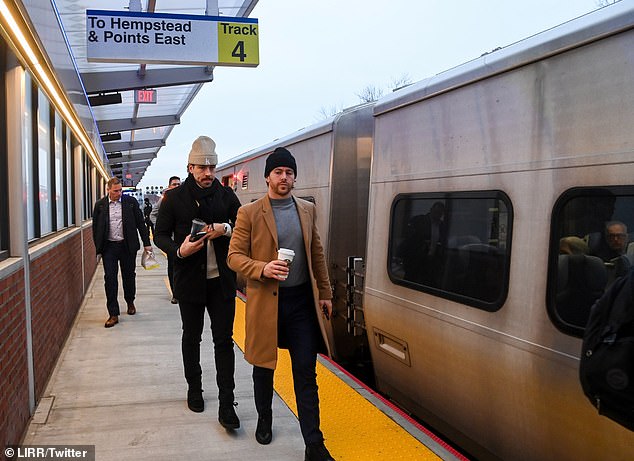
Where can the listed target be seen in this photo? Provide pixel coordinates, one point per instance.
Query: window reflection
(594, 245)
(454, 245)
(44, 163)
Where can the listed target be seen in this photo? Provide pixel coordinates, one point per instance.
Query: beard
(282, 189)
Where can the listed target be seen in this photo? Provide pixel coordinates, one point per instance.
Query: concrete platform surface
(122, 389)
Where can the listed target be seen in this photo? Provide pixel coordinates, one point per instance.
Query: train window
(229, 181)
(591, 244)
(454, 245)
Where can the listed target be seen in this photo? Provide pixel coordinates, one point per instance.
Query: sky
(318, 56)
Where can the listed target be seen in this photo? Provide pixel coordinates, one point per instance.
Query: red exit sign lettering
(145, 96)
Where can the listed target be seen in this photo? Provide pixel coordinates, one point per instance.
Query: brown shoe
(131, 309)
(112, 321)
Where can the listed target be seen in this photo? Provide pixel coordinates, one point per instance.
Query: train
(443, 207)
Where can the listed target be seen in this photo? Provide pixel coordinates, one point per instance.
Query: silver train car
(465, 220)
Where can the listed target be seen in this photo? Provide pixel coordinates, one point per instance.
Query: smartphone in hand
(197, 236)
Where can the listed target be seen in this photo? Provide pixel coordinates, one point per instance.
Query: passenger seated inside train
(573, 246)
(611, 243)
(612, 246)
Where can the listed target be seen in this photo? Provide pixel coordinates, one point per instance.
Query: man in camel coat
(283, 305)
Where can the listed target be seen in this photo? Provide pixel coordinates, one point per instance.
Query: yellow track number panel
(238, 44)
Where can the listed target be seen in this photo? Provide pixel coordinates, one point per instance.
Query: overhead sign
(159, 38)
(145, 96)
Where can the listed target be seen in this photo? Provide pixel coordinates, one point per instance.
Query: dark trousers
(149, 225)
(170, 272)
(114, 255)
(298, 331)
(221, 312)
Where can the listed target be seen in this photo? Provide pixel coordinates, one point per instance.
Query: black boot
(317, 452)
(195, 400)
(227, 416)
(264, 431)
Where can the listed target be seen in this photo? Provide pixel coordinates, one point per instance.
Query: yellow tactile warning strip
(354, 428)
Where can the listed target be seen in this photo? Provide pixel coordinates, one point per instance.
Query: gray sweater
(289, 235)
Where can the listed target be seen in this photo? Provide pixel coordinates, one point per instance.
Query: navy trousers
(221, 312)
(114, 255)
(298, 331)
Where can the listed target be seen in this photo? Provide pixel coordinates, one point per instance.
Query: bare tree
(400, 82)
(370, 93)
(327, 112)
(602, 3)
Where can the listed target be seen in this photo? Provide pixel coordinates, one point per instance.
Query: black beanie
(280, 157)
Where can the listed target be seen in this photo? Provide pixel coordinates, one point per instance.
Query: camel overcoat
(253, 244)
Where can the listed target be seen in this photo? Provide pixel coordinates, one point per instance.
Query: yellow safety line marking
(354, 429)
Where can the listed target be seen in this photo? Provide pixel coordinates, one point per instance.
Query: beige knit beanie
(203, 152)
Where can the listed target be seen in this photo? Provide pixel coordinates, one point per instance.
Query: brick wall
(56, 297)
(14, 384)
(90, 257)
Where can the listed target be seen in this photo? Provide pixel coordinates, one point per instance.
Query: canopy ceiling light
(110, 137)
(105, 99)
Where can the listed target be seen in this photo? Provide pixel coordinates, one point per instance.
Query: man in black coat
(116, 220)
(147, 211)
(202, 279)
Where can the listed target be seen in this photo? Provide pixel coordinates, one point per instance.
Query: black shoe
(195, 401)
(317, 452)
(174, 301)
(264, 433)
(227, 416)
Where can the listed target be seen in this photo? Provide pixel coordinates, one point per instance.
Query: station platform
(122, 390)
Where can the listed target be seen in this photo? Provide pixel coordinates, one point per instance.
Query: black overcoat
(173, 225)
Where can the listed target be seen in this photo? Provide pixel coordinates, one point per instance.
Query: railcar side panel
(502, 383)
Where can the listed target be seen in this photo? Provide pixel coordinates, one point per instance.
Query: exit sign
(145, 96)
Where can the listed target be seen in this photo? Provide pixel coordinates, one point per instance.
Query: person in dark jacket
(174, 181)
(202, 279)
(116, 219)
(147, 211)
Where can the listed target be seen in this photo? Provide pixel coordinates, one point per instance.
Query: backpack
(606, 368)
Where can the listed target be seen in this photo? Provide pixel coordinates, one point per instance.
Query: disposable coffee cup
(197, 231)
(286, 255)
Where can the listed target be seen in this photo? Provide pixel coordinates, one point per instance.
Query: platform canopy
(133, 129)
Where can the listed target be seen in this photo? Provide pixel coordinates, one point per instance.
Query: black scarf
(209, 199)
